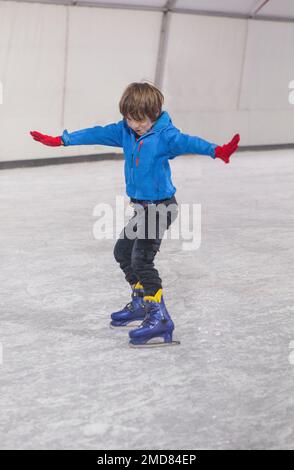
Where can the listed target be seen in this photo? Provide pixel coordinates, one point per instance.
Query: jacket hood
(162, 121)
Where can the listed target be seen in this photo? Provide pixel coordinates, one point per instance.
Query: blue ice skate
(157, 327)
(133, 313)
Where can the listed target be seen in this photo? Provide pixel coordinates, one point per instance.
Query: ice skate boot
(157, 326)
(133, 313)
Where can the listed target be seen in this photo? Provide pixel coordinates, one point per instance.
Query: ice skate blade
(125, 327)
(154, 344)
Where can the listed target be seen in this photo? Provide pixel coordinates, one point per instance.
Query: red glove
(225, 151)
(47, 139)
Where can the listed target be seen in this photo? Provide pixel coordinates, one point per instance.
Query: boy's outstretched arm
(111, 135)
(179, 144)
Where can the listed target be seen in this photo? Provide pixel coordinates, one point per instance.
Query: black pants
(135, 254)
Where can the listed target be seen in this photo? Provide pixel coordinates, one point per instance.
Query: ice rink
(70, 382)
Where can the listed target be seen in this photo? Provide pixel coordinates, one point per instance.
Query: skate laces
(150, 319)
(129, 306)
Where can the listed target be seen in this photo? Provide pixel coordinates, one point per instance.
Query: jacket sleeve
(99, 135)
(179, 144)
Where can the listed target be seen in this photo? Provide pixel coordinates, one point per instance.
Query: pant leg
(145, 249)
(123, 254)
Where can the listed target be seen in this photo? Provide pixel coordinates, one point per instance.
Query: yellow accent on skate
(154, 298)
(138, 286)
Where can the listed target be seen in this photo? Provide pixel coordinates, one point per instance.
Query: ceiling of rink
(259, 9)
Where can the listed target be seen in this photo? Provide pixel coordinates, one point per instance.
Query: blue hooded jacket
(147, 169)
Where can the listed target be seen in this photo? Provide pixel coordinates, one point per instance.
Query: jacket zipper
(133, 151)
(138, 155)
(132, 167)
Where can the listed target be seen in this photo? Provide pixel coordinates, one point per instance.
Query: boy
(149, 140)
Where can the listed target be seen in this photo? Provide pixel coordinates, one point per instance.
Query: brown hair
(140, 100)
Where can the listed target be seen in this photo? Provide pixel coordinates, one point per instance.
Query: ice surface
(68, 381)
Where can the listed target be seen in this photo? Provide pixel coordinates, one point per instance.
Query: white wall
(32, 47)
(227, 75)
(107, 49)
(66, 67)
(203, 73)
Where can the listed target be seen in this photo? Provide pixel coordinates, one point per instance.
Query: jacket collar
(162, 121)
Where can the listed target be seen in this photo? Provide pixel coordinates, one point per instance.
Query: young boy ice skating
(149, 140)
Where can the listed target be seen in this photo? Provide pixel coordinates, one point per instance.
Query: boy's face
(140, 127)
